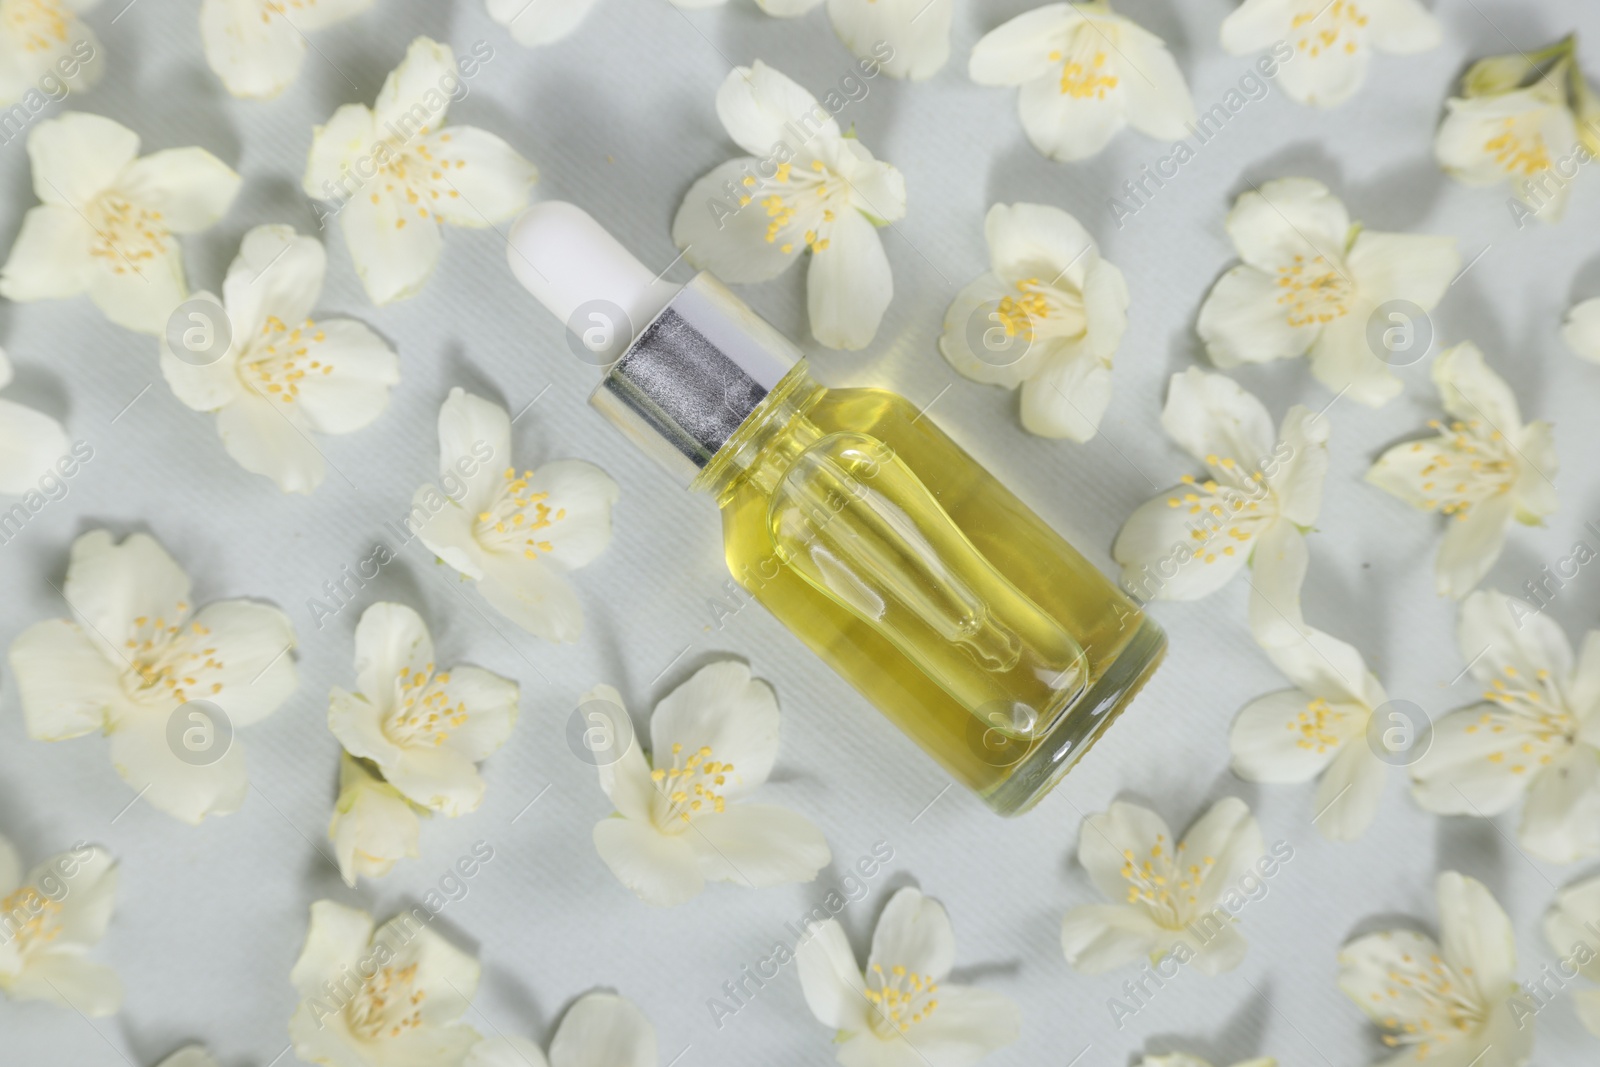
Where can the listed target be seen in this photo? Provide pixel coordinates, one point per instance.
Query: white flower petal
(1467, 770)
(145, 759)
(719, 233)
(1160, 554)
(337, 147)
(1211, 415)
(830, 979)
(1067, 396)
(1348, 795)
(139, 295)
(78, 156)
(391, 642)
(1472, 542)
(448, 533)
(422, 80)
(1067, 127)
(1475, 934)
(1342, 359)
(1242, 321)
(1404, 266)
(1277, 571)
(50, 257)
(913, 932)
(1324, 76)
(479, 180)
(474, 446)
(86, 909)
(603, 1030)
(254, 670)
(1404, 27)
(1581, 331)
(373, 826)
(1268, 744)
(192, 1056)
(202, 386)
(849, 284)
(626, 780)
(974, 315)
(262, 439)
(1561, 819)
(721, 707)
(969, 1024)
(758, 845)
(351, 387)
(1297, 478)
(661, 871)
(277, 272)
(71, 981)
(1038, 241)
(1255, 25)
(1156, 96)
(539, 23)
(1228, 835)
(254, 49)
(582, 495)
(757, 104)
(67, 685)
(1470, 390)
(1097, 938)
(437, 779)
(490, 704)
(533, 594)
(394, 250)
(30, 443)
(1106, 836)
(190, 187)
(1285, 218)
(918, 31)
(1366, 965)
(1020, 50)
(357, 725)
(505, 1050)
(448, 976)
(336, 938)
(114, 588)
(1502, 637)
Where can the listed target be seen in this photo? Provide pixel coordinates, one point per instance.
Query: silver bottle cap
(693, 375)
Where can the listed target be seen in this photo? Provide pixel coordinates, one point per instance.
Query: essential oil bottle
(857, 522)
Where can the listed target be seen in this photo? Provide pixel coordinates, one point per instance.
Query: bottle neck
(766, 443)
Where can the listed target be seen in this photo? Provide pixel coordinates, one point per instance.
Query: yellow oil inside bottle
(910, 569)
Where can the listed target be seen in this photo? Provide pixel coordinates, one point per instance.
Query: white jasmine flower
(1443, 1001)
(600, 1030)
(1317, 728)
(1183, 1059)
(284, 376)
(390, 998)
(677, 824)
(108, 217)
(425, 729)
(517, 536)
(1047, 317)
(1482, 470)
(134, 653)
(1258, 498)
(804, 186)
(537, 22)
(901, 1011)
(1582, 329)
(48, 922)
(1529, 120)
(1333, 40)
(44, 45)
(905, 38)
(1311, 280)
(1167, 897)
(1572, 928)
(30, 441)
(257, 47)
(191, 1056)
(398, 174)
(373, 827)
(1535, 734)
(1085, 72)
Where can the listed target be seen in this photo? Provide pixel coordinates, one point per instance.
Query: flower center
(515, 518)
(166, 662)
(1321, 25)
(1041, 310)
(126, 235)
(28, 918)
(387, 1004)
(279, 358)
(900, 998)
(1214, 504)
(1470, 463)
(1518, 146)
(1450, 1009)
(1166, 885)
(423, 714)
(1084, 73)
(1534, 715)
(38, 25)
(805, 194)
(1313, 293)
(417, 176)
(1319, 726)
(690, 785)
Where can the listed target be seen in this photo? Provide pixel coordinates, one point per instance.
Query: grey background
(620, 119)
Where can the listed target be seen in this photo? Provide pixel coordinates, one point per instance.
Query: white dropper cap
(567, 260)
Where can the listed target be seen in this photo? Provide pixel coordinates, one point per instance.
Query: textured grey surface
(620, 119)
